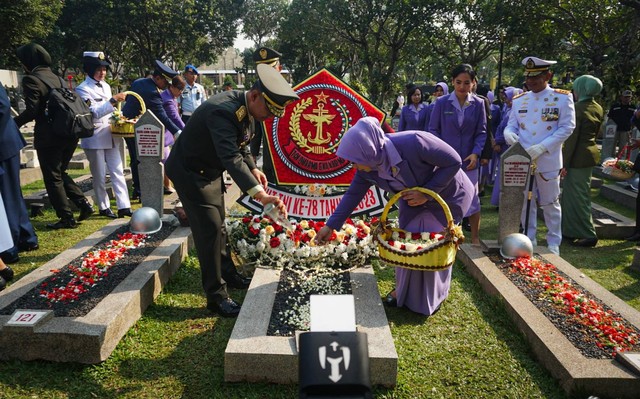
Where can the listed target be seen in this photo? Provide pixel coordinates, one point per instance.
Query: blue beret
(191, 68)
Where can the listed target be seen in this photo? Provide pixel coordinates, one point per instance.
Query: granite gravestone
(150, 146)
(608, 144)
(515, 166)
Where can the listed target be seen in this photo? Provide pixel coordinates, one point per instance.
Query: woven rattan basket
(126, 129)
(436, 257)
(611, 166)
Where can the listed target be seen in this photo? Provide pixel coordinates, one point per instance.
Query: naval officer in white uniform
(102, 149)
(541, 120)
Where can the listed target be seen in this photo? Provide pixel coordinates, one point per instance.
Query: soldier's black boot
(86, 209)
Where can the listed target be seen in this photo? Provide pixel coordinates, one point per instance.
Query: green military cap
(275, 89)
(534, 66)
(266, 55)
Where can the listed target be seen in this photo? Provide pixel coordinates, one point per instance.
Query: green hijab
(586, 87)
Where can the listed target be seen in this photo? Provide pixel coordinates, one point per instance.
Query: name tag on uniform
(448, 112)
(522, 111)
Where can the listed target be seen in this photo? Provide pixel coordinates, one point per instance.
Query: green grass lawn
(470, 349)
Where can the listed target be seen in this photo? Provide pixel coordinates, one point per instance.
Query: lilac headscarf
(445, 88)
(366, 144)
(511, 92)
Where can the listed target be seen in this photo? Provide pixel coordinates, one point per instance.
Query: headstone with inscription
(514, 174)
(150, 145)
(608, 140)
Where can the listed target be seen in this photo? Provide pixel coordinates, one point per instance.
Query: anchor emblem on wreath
(321, 116)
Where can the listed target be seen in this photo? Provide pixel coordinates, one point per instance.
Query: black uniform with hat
(215, 140)
(270, 57)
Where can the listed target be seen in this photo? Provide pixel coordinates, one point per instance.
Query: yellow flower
(269, 230)
(304, 224)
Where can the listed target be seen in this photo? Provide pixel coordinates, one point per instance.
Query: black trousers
(203, 202)
(61, 188)
(133, 164)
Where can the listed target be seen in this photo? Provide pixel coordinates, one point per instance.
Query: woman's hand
(120, 97)
(473, 161)
(414, 197)
(260, 177)
(323, 235)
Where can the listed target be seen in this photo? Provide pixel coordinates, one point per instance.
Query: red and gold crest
(304, 141)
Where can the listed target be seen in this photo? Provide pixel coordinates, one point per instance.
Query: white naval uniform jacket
(101, 109)
(546, 118)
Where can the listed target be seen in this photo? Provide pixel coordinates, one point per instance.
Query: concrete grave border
(576, 373)
(91, 338)
(253, 356)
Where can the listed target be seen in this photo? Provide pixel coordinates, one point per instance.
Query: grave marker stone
(608, 144)
(150, 145)
(514, 174)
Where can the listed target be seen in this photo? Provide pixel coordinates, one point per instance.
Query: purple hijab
(366, 144)
(445, 88)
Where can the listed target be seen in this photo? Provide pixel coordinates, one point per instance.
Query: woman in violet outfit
(395, 162)
(413, 114)
(170, 105)
(441, 90)
(459, 119)
(501, 145)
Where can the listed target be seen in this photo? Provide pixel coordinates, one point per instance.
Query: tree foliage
(23, 21)
(262, 19)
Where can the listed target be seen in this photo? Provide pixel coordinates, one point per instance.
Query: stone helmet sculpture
(145, 220)
(516, 246)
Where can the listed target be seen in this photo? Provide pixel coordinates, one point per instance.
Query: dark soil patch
(289, 294)
(117, 273)
(579, 335)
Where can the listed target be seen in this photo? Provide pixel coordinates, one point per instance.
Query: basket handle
(143, 108)
(436, 196)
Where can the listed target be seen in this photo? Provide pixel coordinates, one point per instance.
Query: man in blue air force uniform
(149, 89)
(541, 120)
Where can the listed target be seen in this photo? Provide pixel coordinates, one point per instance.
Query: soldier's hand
(510, 137)
(473, 161)
(323, 235)
(260, 177)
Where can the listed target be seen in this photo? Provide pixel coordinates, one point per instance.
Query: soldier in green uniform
(216, 139)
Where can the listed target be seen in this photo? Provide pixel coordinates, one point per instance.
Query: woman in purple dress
(441, 90)
(170, 106)
(395, 162)
(459, 119)
(413, 114)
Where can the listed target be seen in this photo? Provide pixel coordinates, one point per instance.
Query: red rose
(274, 242)
(416, 236)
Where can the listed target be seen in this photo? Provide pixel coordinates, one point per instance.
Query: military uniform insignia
(566, 92)
(549, 127)
(546, 99)
(101, 55)
(550, 114)
(241, 113)
(263, 54)
(88, 102)
(519, 95)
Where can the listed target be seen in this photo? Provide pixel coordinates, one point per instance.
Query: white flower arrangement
(317, 190)
(257, 240)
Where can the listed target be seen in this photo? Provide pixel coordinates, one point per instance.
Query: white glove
(510, 137)
(535, 151)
